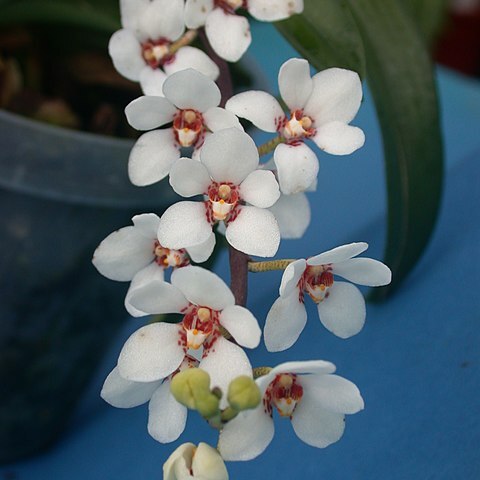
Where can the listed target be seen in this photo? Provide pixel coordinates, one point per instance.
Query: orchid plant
(247, 193)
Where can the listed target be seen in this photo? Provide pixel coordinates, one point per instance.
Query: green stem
(270, 145)
(186, 39)
(270, 265)
(260, 371)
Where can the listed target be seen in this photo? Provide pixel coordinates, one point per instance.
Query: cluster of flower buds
(199, 363)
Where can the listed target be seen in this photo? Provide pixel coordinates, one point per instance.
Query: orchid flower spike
(155, 351)
(321, 109)
(229, 33)
(134, 254)
(227, 175)
(166, 417)
(191, 105)
(341, 306)
(188, 462)
(140, 51)
(307, 393)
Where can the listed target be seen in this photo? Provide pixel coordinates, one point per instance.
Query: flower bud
(243, 393)
(190, 462)
(191, 387)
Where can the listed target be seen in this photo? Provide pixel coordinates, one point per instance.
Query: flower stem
(260, 371)
(186, 39)
(270, 145)
(238, 275)
(270, 265)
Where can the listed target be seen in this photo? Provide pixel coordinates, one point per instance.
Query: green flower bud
(191, 388)
(189, 384)
(243, 393)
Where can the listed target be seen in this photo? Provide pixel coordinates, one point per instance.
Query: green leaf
(429, 15)
(401, 78)
(326, 35)
(102, 16)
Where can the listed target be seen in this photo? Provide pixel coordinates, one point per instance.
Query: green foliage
(401, 78)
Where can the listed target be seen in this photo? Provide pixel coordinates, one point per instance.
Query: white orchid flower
(229, 33)
(227, 175)
(155, 351)
(166, 417)
(134, 254)
(293, 215)
(341, 306)
(191, 462)
(307, 393)
(321, 108)
(190, 102)
(140, 50)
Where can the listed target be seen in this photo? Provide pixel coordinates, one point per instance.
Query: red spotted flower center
(200, 324)
(316, 280)
(188, 127)
(299, 126)
(285, 392)
(223, 198)
(156, 52)
(165, 257)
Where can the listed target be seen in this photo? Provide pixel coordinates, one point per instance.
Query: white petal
(343, 312)
(151, 81)
(293, 215)
(254, 232)
(229, 35)
(122, 393)
(333, 393)
(147, 224)
(175, 468)
(201, 253)
(297, 167)
(203, 287)
(273, 10)
(123, 253)
(338, 138)
(295, 83)
(191, 89)
(152, 156)
(304, 367)
(225, 361)
(158, 297)
(130, 11)
(217, 118)
(207, 464)
(285, 322)
(126, 53)
(364, 271)
(336, 96)
(247, 435)
(151, 353)
(242, 325)
(189, 177)
(260, 189)
(163, 19)
(166, 417)
(143, 277)
(146, 113)
(291, 276)
(338, 254)
(315, 425)
(260, 108)
(196, 12)
(191, 57)
(229, 155)
(184, 225)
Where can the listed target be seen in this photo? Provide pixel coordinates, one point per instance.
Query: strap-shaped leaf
(326, 34)
(100, 15)
(401, 78)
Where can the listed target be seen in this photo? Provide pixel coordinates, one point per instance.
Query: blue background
(416, 362)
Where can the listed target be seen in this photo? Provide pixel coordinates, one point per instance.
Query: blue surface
(417, 361)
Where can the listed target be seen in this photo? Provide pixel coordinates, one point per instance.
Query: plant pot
(61, 193)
